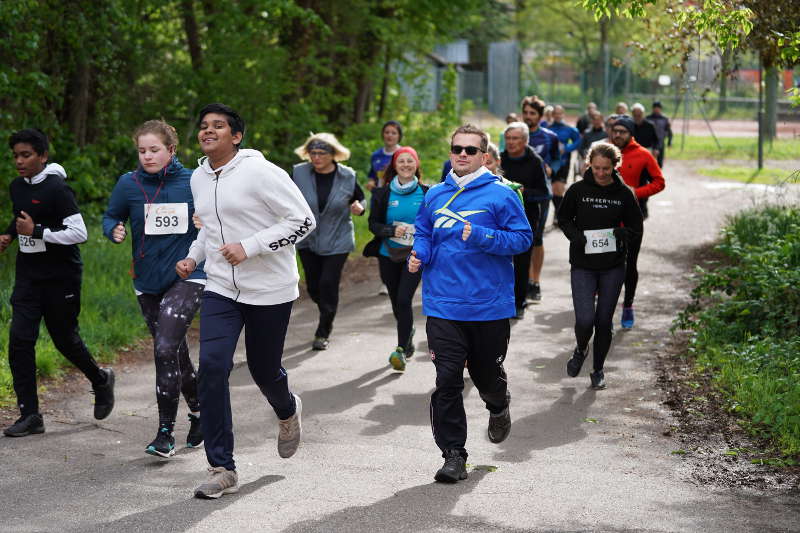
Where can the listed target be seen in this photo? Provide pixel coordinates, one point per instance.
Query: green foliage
(110, 319)
(768, 176)
(704, 147)
(745, 321)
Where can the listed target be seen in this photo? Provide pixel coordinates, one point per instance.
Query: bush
(745, 321)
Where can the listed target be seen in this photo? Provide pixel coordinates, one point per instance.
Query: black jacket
(528, 170)
(589, 206)
(645, 134)
(379, 204)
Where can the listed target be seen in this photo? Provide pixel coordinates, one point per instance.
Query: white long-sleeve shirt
(255, 203)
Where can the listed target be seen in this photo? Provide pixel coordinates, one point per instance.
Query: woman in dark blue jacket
(157, 200)
(393, 210)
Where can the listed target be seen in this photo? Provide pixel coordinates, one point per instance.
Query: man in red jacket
(641, 172)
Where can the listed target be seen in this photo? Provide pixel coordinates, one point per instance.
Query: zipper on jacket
(222, 234)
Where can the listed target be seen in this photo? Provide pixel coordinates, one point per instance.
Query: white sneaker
(290, 431)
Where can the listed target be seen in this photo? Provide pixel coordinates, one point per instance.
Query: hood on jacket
(50, 168)
(240, 156)
(173, 168)
(482, 179)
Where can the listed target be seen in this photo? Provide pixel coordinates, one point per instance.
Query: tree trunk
(601, 65)
(725, 67)
(77, 100)
(361, 100)
(770, 101)
(387, 66)
(192, 34)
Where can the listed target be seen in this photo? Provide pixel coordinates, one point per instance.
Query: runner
(621, 109)
(524, 166)
(585, 120)
(547, 116)
(391, 219)
(392, 133)
(157, 199)
(49, 227)
(545, 143)
(252, 216)
(467, 231)
(333, 194)
(663, 130)
(644, 131)
(568, 141)
(596, 132)
(599, 216)
(640, 171)
(511, 117)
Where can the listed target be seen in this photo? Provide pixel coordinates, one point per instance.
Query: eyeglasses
(315, 153)
(619, 131)
(471, 150)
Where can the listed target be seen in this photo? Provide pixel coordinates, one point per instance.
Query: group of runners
(222, 239)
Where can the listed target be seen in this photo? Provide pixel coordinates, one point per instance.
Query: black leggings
(522, 262)
(168, 317)
(401, 285)
(323, 273)
(631, 272)
(602, 287)
(59, 303)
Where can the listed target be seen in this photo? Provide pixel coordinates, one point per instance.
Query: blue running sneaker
(163, 445)
(627, 317)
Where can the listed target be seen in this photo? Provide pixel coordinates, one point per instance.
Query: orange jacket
(637, 162)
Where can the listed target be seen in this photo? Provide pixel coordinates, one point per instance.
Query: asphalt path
(576, 459)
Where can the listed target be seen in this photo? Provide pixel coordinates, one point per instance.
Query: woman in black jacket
(598, 215)
(393, 210)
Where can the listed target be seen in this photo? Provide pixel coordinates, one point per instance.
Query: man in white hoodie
(252, 215)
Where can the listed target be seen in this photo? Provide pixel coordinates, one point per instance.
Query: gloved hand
(620, 234)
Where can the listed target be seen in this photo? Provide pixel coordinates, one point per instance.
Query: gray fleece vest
(334, 233)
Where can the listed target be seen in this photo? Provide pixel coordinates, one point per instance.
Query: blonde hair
(159, 127)
(340, 153)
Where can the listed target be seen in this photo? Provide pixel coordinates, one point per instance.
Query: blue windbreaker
(470, 280)
(154, 257)
(545, 143)
(568, 137)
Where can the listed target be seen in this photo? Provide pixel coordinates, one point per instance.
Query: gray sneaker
(221, 481)
(290, 431)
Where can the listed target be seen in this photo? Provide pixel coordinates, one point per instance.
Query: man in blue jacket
(467, 232)
(568, 140)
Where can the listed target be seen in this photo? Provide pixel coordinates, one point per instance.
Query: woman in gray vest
(333, 193)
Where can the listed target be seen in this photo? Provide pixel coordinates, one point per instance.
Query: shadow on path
(182, 515)
(562, 423)
(421, 508)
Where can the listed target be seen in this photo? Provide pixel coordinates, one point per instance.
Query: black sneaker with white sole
(499, 426)
(163, 445)
(25, 425)
(104, 396)
(598, 380)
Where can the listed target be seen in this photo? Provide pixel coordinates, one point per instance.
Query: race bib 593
(166, 219)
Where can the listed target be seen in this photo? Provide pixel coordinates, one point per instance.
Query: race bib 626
(29, 245)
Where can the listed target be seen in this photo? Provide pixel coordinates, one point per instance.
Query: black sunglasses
(471, 150)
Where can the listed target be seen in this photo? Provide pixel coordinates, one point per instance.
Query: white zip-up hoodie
(255, 203)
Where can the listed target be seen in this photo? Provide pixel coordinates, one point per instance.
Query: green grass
(110, 318)
(700, 147)
(745, 322)
(768, 176)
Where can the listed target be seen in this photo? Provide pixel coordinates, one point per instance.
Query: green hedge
(745, 321)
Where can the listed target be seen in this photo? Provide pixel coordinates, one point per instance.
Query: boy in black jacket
(49, 227)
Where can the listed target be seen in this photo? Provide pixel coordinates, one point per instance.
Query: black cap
(626, 122)
(658, 104)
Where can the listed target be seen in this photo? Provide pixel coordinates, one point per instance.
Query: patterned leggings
(168, 317)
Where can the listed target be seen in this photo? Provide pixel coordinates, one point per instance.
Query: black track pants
(59, 303)
(484, 346)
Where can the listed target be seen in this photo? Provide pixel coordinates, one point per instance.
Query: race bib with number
(600, 241)
(29, 245)
(166, 219)
(408, 237)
